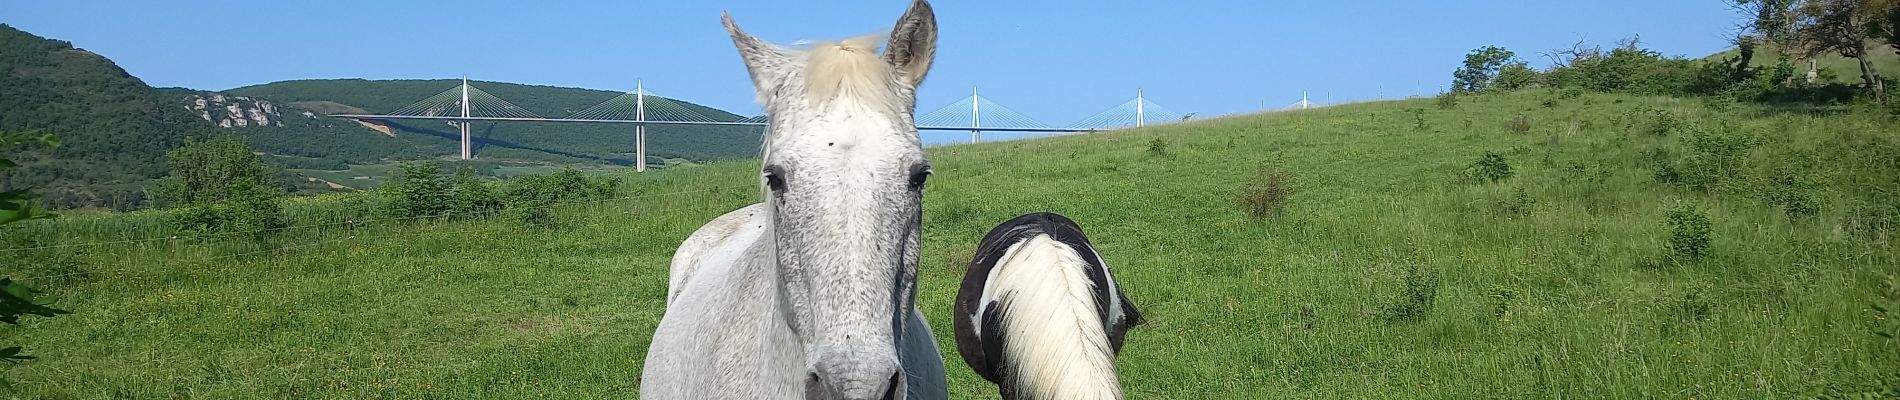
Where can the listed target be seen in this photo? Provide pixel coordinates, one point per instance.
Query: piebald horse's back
(1039, 314)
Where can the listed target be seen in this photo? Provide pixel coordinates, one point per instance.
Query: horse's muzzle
(818, 387)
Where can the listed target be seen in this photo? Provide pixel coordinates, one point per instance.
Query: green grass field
(1556, 282)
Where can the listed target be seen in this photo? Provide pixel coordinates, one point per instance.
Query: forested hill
(590, 142)
(379, 96)
(115, 128)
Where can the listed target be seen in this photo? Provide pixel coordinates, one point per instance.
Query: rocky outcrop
(236, 111)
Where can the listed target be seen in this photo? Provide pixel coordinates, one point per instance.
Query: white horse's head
(844, 174)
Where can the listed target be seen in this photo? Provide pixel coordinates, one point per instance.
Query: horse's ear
(768, 64)
(913, 43)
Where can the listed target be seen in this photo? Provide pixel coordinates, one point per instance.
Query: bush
(1447, 100)
(470, 195)
(1501, 299)
(1268, 194)
(532, 198)
(1689, 232)
(1514, 76)
(1664, 162)
(1519, 204)
(1158, 148)
(1716, 158)
(253, 208)
(1792, 191)
(1491, 167)
(1656, 122)
(1520, 124)
(1626, 69)
(202, 172)
(1421, 292)
(419, 190)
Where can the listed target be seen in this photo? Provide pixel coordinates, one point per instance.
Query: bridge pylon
(468, 145)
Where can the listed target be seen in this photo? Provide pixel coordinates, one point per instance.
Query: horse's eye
(918, 174)
(774, 178)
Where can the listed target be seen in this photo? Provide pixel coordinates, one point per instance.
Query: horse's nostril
(894, 390)
(814, 389)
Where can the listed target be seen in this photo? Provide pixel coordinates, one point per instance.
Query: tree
(1843, 27)
(1886, 24)
(420, 191)
(1481, 69)
(203, 171)
(1771, 20)
(222, 186)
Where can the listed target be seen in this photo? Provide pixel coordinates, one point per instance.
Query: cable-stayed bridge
(465, 104)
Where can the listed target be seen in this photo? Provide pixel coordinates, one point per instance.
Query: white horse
(1039, 314)
(811, 293)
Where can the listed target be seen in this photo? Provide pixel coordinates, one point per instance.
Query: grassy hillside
(1393, 273)
(601, 143)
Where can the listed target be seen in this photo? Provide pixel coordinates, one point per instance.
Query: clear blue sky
(1056, 61)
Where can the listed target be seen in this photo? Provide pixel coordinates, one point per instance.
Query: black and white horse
(1040, 315)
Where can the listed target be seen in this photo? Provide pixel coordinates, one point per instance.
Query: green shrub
(1421, 291)
(1158, 148)
(1792, 191)
(1716, 158)
(531, 198)
(1656, 121)
(1689, 232)
(1520, 124)
(1664, 162)
(202, 172)
(251, 208)
(1514, 76)
(1501, 299)
(221, 185)
(419, 190)
(1519, 203)
(1629, 68)
(1491, 167)
(1447, 100)
(1269, 193)
(470, 195)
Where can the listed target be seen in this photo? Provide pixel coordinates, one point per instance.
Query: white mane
(849, 69)
(1057, 345)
